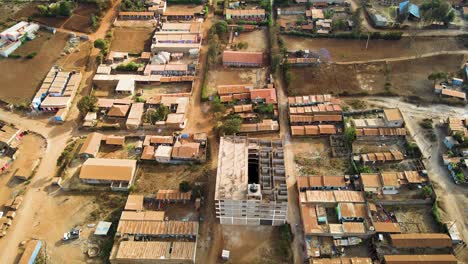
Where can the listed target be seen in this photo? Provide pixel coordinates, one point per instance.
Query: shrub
(426, 123)
(31, 55)
(14, 56)
(427, 191)
(229, 126)
(184, 186)
(87, 103)
(129, 67)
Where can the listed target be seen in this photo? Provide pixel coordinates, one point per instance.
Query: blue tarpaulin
(412, 9)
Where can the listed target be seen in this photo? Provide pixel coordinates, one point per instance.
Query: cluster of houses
(57, 92)
(315, 115)
(13, 37)
(157, 9)
(456, 158)
(133, 115)
(315, 18)
(175, 149)
(120, 173)
(246, 102)
(145, 235)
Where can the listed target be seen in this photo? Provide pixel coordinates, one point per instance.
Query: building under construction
(251, 182)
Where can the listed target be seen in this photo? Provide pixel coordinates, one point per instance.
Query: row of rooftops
(379, 156)
(228, 93)
(390, 259)
(314, 130)
(170, 240)
(393, 179)
(312, 100)
(243, 58)
(245, 12)
(57, 90)
(382, 132)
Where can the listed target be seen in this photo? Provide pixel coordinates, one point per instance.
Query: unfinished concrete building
(251, 182)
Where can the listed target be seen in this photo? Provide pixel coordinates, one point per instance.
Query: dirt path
(36, 195)
(431, 54)
(294, 214)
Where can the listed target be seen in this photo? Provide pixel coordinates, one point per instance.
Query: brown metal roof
(420, 259)
(243, 57)
(134, 202)
(387, 227)
(108, 169)
(421, 240)
(91, 144)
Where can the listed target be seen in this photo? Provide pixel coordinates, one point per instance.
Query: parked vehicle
(74, 233)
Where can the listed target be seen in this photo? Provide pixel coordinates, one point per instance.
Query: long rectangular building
(251, 182)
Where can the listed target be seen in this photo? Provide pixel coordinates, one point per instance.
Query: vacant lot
(352, 50)
(22, 77)
(152, 176)
(78, 23)
(415, 219)
(223, 76)
(335, 79)
(313, 157)
(134, 40)
(405, 78)
(251, 244)
(164, 88)
(256, 40)
(9, 11)
(409, 78)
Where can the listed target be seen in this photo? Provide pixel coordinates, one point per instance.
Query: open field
(409, 78)
(415, 219)
(224, 76)
(78, 23)
(313, 157)
(250, 244)
(404, 78)
(9, 11)
(133, 40)
(22, 77)
(355, 50)
(153, 176)
(257, 40)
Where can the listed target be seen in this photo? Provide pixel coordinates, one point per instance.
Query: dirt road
(34, 198)
(294, 214)
(37, 204)
(453, 198)
(404, 58)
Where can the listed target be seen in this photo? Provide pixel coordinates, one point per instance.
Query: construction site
(251, 182)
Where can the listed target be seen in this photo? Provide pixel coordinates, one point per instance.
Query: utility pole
(368, 38)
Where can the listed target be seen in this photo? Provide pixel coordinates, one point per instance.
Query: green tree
(87, 103)
(350, 135)
(65, 8)
(100, 44)
(184, 186)
(159, 114)
(436, 10)
(221, 28)
(427, 191)
(230, 126)
(213, 49)
(217, 106)
(265, 109)
(437, 76)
